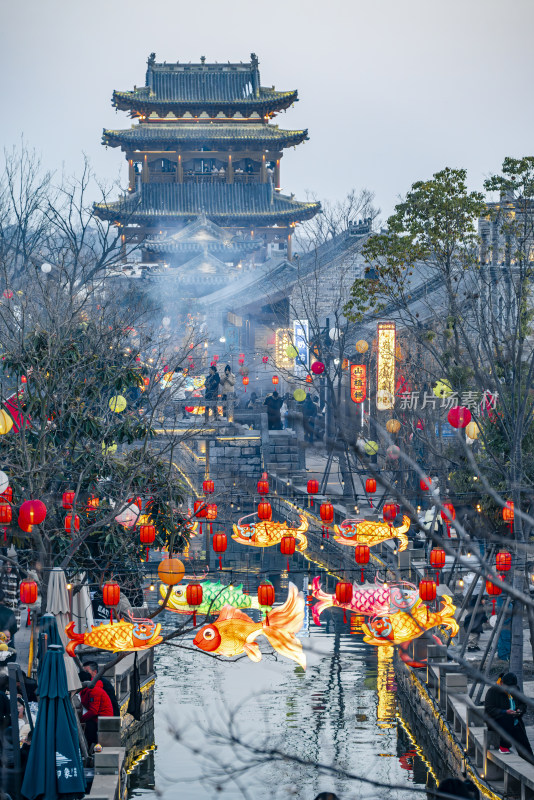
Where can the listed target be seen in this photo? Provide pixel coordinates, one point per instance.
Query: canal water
(216, 723)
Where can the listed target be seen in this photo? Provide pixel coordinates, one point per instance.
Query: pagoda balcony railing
(197, 177)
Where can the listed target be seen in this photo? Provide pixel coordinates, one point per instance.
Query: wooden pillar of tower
(131, 175)
(179, 177)
(263, 170)
(230, 170)
(277, 175)
(144, 171)
(289, 248)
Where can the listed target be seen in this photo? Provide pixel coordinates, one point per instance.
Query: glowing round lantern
(425, 484)
(472, 430)
(72, 523)
(194, 595)
(427, 590)
(361, 346)
(117, 403)
(93, 502)
(287, 547)
(291, 352)
(312, 488)
(246, 381)
(299, 395)
(263, 484)
(390, 512)
(6, 513)
(265, 511)
(317, 367)
(208, 486)
(4, 482)
(393, 452)
(32, 512)
(437, 560)
(211, 511)
(128, 516)
(171, 571)
(28, 592)
(393, 426)
(68, 499)
(275, 380)
(370, 485)
(309, 379)
(326, 512)
(459, 417)
(494, 590)
(370, 448)
(508, 513)
(442, 388)
(361, 556)
(220, 543)
(6, 422)
(111, 593)
(503, 561)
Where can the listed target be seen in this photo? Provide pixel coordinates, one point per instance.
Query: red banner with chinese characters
(358, 383)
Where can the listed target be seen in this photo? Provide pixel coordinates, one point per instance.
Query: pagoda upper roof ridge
(202, 64)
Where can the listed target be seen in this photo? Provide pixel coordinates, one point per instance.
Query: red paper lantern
(241, 358)
(7, 495)
(220, 543)
(437, 560)
(263, 484)
(459, 417)
(194, 594)
(6, 513)
(317, 367)
(448, 514)
(326, 512)
(211, 511)
(265, 359)
(370, 486)
(427, 590)
(68, 498)
(111, 593)
(32, 512)
(425, 484)
(313, 488)
(208, 487)
(266, 594)
(275, 380)
(309, 379)
(200, 509)
(72, 521)
(344, 592)
(503, 561)
(246, 381)
(390, 512)
(265, 511)
(93, 502)
(494, 590)
(28, 593)
(508, 511)
(361, 556)
(147, 534)
(287, 547)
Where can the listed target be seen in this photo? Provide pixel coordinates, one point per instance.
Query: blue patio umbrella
(48, 625)
(54, 768)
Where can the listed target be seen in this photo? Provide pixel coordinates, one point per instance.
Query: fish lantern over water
(344, 596)
(234, 632)
(404, 626)
(437, 560)
(220, 543)
(361, 556)
(267, 533)
(312, 488)
(317, 367)
(263, 484)
(194, 595)
(459, 417)
(503, 561)
(68, 498)
(214, 596)
(368, 600)
(171, 571)
(326, 511)
(494, 590)
(287, 547)
(28, 592)
(265, 511)
(367, 531)
(208, 486)
(122, 636)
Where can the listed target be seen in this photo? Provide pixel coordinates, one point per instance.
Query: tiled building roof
(216, 135)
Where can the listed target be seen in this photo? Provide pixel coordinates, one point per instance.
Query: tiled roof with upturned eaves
(225, 204)
(175, 134)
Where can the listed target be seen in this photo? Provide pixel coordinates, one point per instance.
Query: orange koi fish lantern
(268, 533)
(404, 627)
(366, 531)
(220, 543)
(312, 488)
(326, 512)
(234, 632)
(139, 634)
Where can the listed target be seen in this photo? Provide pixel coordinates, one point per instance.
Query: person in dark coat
(96, 704)
(8, 620)
(92, 668)
(309, 412)
(274, 404)
(507, 712)
(211, 390)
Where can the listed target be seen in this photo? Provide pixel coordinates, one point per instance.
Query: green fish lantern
(214, 597)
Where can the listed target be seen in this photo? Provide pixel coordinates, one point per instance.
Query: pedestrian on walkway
(92, 668)
(309, 413)
(8, 620)
(479, 620)
(96, 704)
(274, 404)
(504, 713)
(211, 391)
(228, 390)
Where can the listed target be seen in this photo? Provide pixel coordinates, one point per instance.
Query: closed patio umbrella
(82, 608)
(54, 768)
(58, 605)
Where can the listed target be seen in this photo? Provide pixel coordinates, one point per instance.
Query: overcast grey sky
(390, 90)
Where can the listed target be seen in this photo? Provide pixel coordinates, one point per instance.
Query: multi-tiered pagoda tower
(204, 192)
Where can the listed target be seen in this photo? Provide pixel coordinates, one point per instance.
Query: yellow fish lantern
(139, 634)
(117, 403)
(268, 533)
(404, 626)
(234, 632)
(6, 422)
(370, 532)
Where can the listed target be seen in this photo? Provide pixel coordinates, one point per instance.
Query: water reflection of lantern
(111, 593)
(437, 560)
(220, 543)
(68, 499)
(326, 511)
(28, 592)
(208, 487)
(494, 590)
(263, 484)
(194, 595)
(287, 547)
(344, 596)
(312, 488)
(508, 514)
(275, 380)
(503, 561)
(265, 511)
(361, 556)
(448, 514)
(370, 488)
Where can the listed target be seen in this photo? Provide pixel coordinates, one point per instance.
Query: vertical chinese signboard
(282, 342)
(302, 344)
(385, 366)
(358, 383)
